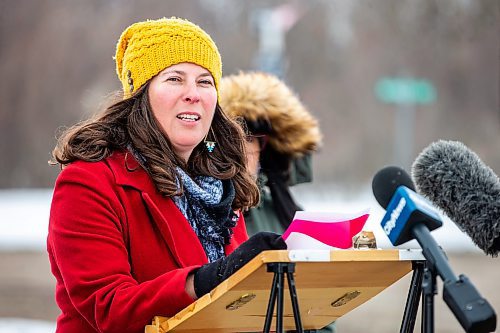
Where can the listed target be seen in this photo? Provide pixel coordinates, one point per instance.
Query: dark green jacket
(263, 217)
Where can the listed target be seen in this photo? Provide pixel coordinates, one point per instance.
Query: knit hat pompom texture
(260, 96)
(146, 48)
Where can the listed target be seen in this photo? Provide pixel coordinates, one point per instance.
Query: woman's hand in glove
(212, 274)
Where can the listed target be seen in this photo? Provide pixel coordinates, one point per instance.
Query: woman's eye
(206, 82)
(174, 79)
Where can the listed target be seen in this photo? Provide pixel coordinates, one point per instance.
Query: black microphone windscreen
(468, 191)
(386, 181)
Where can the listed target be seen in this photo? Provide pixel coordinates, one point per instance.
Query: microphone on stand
(411, 216)
(458, 182)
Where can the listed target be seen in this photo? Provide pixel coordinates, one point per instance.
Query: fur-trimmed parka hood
(260, 96)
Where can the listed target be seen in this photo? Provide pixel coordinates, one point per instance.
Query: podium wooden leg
(277, 296)
(270, 304)
(413, 299)
(295, 302)
(279, 310)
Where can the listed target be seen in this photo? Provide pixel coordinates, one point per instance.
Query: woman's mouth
(188, 117)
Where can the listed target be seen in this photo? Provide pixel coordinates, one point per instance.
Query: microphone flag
(406, 208)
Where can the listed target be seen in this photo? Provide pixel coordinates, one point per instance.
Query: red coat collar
(173, 226)
(128, 171)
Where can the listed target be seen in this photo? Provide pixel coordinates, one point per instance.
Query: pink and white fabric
(323, 230)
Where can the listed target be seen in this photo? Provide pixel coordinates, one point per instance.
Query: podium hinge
(244, 299)
(346, 298)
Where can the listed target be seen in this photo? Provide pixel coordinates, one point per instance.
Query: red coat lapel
(176, 231)
(173, 226)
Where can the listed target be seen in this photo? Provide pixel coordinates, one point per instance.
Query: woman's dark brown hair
(130, 123)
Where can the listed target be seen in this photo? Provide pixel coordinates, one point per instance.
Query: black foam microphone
(410, 216)
(386, 181)
(454, 178)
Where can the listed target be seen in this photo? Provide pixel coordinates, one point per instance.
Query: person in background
(281, 136)
(146, 212)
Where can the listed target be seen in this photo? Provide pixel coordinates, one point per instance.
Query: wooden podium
(329, 284)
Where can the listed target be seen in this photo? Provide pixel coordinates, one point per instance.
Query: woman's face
(183, 100)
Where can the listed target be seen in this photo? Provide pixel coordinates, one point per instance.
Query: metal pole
(404, 135)
(413, 298)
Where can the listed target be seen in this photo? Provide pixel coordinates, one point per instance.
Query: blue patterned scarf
(206, 204)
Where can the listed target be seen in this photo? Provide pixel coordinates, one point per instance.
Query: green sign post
(405, 94)
(405, 91)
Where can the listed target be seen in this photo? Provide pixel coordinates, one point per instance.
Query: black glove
(208, 276)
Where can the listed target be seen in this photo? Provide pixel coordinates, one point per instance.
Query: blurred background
(385, 79)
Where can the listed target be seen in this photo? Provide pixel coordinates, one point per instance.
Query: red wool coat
(119, 250)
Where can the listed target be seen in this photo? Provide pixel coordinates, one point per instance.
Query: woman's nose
(192, 94)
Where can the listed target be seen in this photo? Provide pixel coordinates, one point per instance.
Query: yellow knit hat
(146, 48)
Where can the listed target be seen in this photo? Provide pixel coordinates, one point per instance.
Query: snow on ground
(24, 216)
(21, 325)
